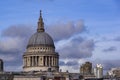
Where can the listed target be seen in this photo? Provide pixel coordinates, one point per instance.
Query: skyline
(91, 27)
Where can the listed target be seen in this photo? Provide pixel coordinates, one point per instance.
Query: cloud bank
(13, 42)
(112, 48)
(66, 30)
(77, 48)
(73, 47)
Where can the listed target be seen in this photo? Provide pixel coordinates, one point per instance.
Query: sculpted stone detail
(86, 68)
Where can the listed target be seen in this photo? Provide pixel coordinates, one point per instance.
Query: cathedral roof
(40, 37)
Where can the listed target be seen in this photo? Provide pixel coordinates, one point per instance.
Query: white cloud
(14, 68)
(76, 48)
(10, 44)
(106, 42)
(68, 68)
(61, 31)
(7, 57)
(72, 65)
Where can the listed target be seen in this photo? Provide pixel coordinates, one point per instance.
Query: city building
(86, 69)
(90, 73)
(1, 65)
(114, 72)
(98, 71)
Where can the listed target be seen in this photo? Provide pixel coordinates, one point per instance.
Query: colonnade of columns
(30, 61)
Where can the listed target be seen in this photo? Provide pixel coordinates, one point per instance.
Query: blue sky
(101, 20)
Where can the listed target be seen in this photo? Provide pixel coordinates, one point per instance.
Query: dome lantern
(40, 23)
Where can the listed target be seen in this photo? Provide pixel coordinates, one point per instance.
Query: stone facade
(114, 72)
(40, 59)
(6, 76)
(86, 69)
(40, 75)
(98, 71)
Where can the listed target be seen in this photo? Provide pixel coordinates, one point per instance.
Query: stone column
(51, 60)
(32, 60)
(24, 61)
(47, 63)
(43, 60)
(54, 61)
(35, 60)
(39, 60)
(67, 77)
(46, 60)
(57, 61)
(27, 61)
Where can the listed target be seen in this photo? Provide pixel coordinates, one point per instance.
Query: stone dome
(41, 38)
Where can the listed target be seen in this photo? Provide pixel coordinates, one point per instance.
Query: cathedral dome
(40, 53)
(41, 38)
